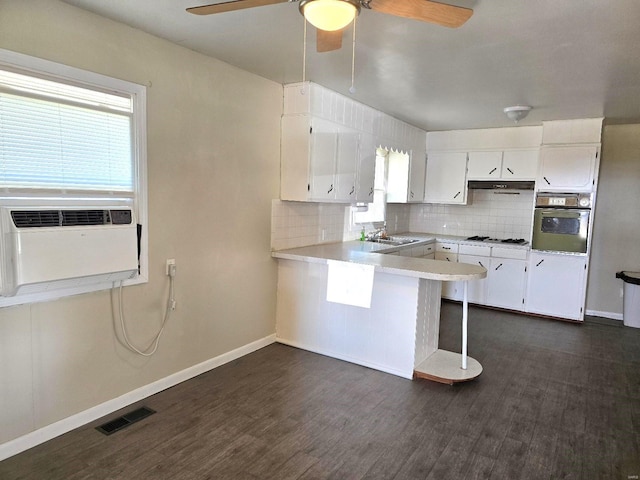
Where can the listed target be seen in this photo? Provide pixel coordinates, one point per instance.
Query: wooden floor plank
(555, 400)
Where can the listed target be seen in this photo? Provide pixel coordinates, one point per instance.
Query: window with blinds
(71, 141)
(56, 136)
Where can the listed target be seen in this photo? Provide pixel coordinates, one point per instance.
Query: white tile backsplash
(491, 213)
(495, 214)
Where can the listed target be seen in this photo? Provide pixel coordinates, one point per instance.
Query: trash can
(631, 300)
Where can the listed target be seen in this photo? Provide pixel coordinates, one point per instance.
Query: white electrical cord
(153, 346)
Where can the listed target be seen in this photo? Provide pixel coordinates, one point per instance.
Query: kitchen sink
(395, 241)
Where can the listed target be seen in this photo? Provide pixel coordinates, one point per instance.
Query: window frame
(67, 199)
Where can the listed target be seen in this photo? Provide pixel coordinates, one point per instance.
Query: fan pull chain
(352, 89)
(304, 53)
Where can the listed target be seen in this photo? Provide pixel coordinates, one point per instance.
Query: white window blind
(64, 137)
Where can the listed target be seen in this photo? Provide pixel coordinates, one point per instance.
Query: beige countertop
(370, 253)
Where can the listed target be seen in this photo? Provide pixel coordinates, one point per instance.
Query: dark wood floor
(555, 400)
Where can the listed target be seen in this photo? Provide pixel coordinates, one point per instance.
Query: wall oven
(561, 222)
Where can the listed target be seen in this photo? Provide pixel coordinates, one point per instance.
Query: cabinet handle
(494, 169)
(498, 266)
(539, 263)
(448, 260)
(546, 180)
(411, 194)
(456, 195)
(480, 263)
(330, 189)
(353, 189)
(509, 170)
(446, 248)
(371, 191)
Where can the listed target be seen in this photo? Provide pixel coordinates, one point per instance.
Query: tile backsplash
(496, 214)
(492, 213)
(296, 224)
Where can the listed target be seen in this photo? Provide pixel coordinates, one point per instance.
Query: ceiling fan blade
(424, 11)
(231, 6)
(328, 41)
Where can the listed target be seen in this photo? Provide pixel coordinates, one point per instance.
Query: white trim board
(612, 315)
(25, 442)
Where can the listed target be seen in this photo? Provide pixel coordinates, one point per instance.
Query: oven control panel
(564, 200)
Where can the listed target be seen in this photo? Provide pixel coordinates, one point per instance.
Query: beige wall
(616, 232)
(213, 167)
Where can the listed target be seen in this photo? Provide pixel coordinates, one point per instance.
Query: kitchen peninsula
(397, 334)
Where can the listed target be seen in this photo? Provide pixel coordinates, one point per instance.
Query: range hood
(501, 185)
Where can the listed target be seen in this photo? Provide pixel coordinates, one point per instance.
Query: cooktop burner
(516, 241)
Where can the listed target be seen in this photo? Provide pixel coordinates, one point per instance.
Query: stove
(515, 241)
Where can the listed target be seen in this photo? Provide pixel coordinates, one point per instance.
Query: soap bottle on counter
(363, 236)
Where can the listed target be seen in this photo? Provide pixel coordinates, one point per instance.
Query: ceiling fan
(330, 17)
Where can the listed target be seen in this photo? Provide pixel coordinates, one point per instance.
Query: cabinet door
(477, 289)
(365, 181)
(569, 168)
(520, 164)
(324, 144)
(295, 166)
(346, 165)
(484, 165)
(446, 178)
(505, 283)
(556, 285)
(417, 168)
(450, 290)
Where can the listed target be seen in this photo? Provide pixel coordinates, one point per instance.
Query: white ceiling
(566, 58)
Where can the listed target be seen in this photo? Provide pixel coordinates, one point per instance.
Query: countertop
(370, 253)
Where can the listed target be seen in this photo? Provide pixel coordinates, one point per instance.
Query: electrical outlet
(170, 262)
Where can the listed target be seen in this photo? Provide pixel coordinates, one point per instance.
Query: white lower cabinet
(448, 252)
(477, 289)
(505, 283)
(506, 273)
(556, 285)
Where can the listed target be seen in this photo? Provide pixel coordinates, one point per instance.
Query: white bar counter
(398, 334)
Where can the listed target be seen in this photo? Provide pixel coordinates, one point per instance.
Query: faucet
(378, 233)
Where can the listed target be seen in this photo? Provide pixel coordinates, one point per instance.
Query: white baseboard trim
(596, 313)
(25, 442)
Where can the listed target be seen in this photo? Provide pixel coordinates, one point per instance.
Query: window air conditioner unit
(43, 249)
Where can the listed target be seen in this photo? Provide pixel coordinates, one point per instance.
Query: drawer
(421, 250)
(447, 247)
(449, 257)
(478, 250)
(515, 253)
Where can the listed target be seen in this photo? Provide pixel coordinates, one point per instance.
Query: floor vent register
(125, 420)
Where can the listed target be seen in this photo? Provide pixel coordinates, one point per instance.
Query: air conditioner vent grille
(71, 218)
(35, 218)
(59, 218)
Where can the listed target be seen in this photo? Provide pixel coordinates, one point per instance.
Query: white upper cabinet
(319, 160)
(331, 157)
(568, 168)
(446, 178)
(484, 165)
(520, 164)
(503, 165)
(417, 175)
(366, 170)
(346, 164)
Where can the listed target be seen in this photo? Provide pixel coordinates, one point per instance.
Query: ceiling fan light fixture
(329, 15)
(517, 112)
